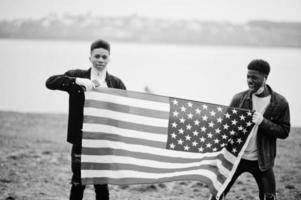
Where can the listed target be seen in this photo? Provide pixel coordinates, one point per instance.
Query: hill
(141, 29)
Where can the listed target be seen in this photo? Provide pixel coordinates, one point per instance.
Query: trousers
(77, 189)
(265, 180)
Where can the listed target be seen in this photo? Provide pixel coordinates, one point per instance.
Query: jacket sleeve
(121, 85)
(63, 82)
(235, 101)
(279, 127)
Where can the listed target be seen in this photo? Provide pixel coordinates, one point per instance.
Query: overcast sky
(226, 10)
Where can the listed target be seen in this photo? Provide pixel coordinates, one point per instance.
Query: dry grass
(35, 164)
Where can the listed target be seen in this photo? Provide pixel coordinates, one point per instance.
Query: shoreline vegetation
(139, 29)
(35, 164)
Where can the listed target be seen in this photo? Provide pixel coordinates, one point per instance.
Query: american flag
(135, 138)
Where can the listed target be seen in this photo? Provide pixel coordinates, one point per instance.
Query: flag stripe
(127, 109)
(129, 181)
(96, 153)
(96, 124)
(146, 169)
(115, 137)
(152, 150)
(155, 176)
(226, 159)
(154, 164)
(153, 105)
(117, 166)
(133, 94)
(99, 128)
(126, 117)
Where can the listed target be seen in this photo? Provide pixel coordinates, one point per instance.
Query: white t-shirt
(259, 104)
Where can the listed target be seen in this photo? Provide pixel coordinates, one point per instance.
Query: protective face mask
(260, 90)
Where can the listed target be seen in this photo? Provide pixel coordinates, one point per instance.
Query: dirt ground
(35, 165)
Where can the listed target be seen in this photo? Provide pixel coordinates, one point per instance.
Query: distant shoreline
(155, 43)
(164, 31)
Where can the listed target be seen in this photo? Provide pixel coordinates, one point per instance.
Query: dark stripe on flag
(129, 181)
(119, 166)
(127, 109)
(149, 156)
(118, 138)
(125, 125)
(136, 95)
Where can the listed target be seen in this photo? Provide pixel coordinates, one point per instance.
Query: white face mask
(260, 90)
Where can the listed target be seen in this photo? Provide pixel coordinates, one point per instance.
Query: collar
(100, 76)
(249, 94)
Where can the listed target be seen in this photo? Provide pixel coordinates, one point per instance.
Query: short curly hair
(260, 65)
(100, 44)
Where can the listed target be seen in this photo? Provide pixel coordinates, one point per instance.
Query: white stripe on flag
(127, 101)
(135, 174)
(101, 128)
(125, 117)
(147, 149)
(152, 163)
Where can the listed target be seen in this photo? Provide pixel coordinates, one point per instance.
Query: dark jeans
(265, 180)
(77, 189)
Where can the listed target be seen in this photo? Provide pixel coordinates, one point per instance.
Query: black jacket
(66, 82)
(276, 124)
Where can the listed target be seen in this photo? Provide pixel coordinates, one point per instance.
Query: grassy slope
(35, 164)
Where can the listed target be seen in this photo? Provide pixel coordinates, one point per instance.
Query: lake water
(203, 73)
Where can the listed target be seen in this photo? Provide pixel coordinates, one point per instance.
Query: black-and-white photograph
(150, 99)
